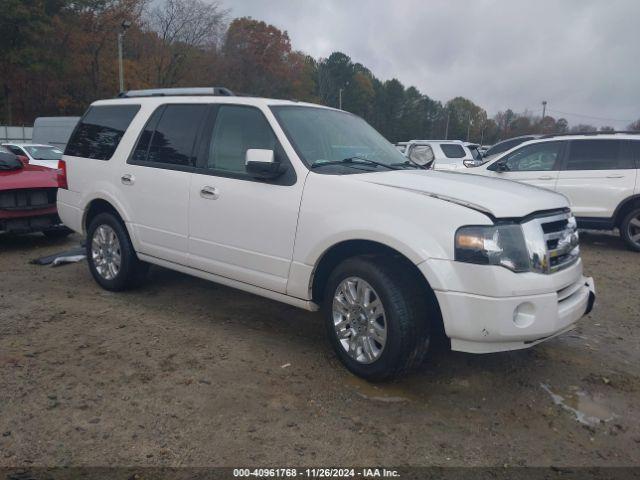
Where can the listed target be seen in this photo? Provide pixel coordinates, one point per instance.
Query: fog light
(524, 315)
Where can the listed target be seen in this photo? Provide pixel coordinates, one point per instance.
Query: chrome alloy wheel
(634, 229)
(105, 252)
(359, 320)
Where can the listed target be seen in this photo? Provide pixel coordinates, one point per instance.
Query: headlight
(502, 245)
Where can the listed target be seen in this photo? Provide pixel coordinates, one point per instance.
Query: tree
(465, 118)
(185, 28)
(258, 59)
(583, 128)
(634, 126)
(335, 73)
(359, 95)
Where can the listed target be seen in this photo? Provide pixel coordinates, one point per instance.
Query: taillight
(62, 174)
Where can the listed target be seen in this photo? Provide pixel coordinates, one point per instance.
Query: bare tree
(634, 126)
(185, 28)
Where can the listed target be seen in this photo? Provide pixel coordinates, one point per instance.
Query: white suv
(310, 206)
(597, 172)
(439, 154)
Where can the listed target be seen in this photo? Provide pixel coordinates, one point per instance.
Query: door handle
(615, 176)
(210, 193)
(545, 177)
(127, 179)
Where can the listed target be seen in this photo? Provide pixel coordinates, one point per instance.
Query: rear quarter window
(451, 150)
(99, 132)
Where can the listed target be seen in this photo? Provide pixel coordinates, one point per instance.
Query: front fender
(335, 209)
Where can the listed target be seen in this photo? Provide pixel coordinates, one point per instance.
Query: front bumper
(481, 323)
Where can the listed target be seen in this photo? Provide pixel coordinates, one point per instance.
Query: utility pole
(346, 84)
(123, 28)
(544, 111)
(446, 131)
(468, 126)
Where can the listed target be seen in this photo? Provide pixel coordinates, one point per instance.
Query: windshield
(320, 135)
(506, 145)
(44, 152)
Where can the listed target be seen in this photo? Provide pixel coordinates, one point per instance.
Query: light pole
(544, 111)
(446, 131)
(123, 28)
(346, 84)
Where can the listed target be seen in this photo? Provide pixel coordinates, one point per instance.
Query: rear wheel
(630, 229)
(377, 317)
(110, 254)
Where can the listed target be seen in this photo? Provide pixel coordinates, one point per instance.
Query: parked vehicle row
(598, 173)
(310, 206)
(36, 154)
(441, 154)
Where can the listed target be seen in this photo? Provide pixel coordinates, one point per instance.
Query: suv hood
(497, 197)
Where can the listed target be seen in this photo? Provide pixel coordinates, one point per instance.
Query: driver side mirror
(421, 155)
(261, 163)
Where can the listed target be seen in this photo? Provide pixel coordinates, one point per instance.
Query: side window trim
(167, 166)
(289, 178)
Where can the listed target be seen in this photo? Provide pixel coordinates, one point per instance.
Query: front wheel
(110, 254)
(630, 229)
(377, 317)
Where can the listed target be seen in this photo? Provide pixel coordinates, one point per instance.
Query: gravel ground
(183, 372)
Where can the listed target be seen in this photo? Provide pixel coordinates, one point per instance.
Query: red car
(28, 196)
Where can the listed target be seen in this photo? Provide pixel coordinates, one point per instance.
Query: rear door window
(451, 150)
(597, 155)
(99, 132)
(170, 135)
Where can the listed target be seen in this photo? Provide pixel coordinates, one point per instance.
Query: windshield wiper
(350, 160)
(408, 163)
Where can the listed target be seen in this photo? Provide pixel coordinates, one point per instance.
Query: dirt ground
(183, 372)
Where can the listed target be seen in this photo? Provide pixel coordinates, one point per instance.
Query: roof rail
(166, 92)
(626, 132)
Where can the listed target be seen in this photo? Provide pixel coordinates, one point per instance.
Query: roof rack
(166, 92)
(551, 135)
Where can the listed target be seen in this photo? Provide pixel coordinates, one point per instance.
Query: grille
(552, 241)
(561, 240)
(27, 198)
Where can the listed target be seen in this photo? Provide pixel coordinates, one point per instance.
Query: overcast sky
(582, 56)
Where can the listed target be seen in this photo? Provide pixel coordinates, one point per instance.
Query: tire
(130, 270)
(56, 233)
(405, 314)
(630, 229)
